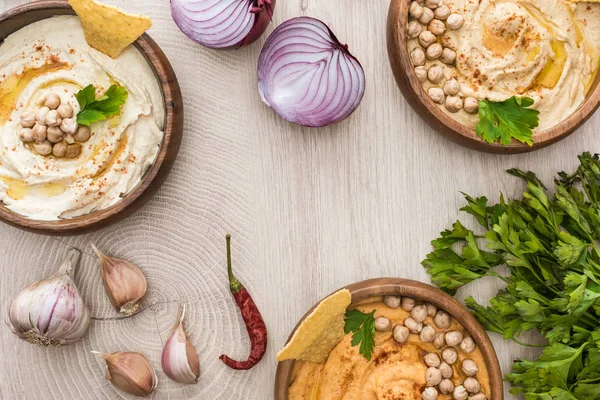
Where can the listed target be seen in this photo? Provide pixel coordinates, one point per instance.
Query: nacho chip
(107, 28)
(320, 332)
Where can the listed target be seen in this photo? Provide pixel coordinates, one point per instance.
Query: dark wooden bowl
(420, 291)
(416, 96)
(18, 17)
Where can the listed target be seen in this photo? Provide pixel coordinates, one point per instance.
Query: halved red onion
(223, 24)
(307, 76)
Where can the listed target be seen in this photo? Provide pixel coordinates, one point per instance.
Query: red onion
(222, 24)
(307, 76)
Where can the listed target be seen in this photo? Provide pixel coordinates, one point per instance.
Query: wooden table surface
(309, 211)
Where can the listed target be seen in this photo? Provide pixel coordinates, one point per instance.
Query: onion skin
(307, 76)
(239, 23)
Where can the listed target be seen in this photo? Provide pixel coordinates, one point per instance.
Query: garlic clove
(51, 312)
(124, 283)
(179, 357)
(130, 372)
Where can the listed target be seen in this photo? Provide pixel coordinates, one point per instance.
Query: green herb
(94, 109)
(506, 120)
(363, 326)
(549, 242)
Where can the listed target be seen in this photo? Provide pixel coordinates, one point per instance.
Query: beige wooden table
(309, 211)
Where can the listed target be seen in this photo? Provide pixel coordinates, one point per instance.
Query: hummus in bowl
(111, 176)
(400, 367)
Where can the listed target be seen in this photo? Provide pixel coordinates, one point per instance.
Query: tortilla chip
(320, 332)
(107, 28)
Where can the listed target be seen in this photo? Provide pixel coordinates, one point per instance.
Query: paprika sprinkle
(252, 318)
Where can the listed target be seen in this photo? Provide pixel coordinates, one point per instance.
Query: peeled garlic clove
(179, 357)
(124, 283)
(51, 312)
(130, 372)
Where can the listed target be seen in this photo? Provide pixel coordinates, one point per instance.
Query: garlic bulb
(51, 312)
(179, 357)
(124, 283)
(130, 372)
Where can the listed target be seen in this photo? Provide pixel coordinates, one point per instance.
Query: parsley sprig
(507, 120)
(92, 109)
(550, 244)
(363, 327)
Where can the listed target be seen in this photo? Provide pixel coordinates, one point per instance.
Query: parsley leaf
(506, 120)
(92, 109)
(363, 327)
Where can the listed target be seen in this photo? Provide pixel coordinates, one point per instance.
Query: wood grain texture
(309, 211)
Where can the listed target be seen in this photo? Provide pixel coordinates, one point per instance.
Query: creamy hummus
(395, 371)
(53, 56)
(548, 50)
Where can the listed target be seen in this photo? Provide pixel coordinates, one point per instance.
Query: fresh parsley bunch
(92, 109)
(550, 245)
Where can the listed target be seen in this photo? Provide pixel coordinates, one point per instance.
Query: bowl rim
(420, 291)
(413, 92)
(153, 177)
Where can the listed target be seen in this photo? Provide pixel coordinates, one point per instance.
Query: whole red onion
(223, 24)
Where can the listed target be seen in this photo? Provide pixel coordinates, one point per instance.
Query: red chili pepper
(252, 318)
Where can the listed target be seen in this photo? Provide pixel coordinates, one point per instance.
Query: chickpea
(448, 56)
(73, 151)
(449, 355)
(467, 345)
(418, 57)
(455, 21)
(453, 104)
(53, 118)
(433, 3)
(427, 334)
(26, 135)
(55, 135)
(427, 16)
(460, 393)
(421, 73)
(39, 132)
(432, 360)
(40, 115)
(426, 39)
(382, 324)
(52, 101)
(435, 74)
(419, 313)
(437, 27)
(434, 51)
(442, 12)
(43, 148)
(69, 139)
(433, 376)
(83, 134)
(69, 125)
(59, 150)
(408, 303)
(430, 393)
(472, 385)
(412, 325)
(414, 29)
(479, 396)
(65, 111)
(446, 386)
(437, 95)
(453, 338)
(400, 333)
(392, 302)
(469, 367)
(452, 87)
(471, 105)
(447, 370)
(431, 309)
(442, 319)
(416, 10)
(440, 340)
(27, 119)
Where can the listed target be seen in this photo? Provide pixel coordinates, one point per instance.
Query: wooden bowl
(416, 96)
(18, 17)
(419, 291)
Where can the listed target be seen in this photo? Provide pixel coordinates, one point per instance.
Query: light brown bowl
(18, 17)
(416, 96)
(420, 291)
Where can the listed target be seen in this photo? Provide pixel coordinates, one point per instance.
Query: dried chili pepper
(252, 318)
